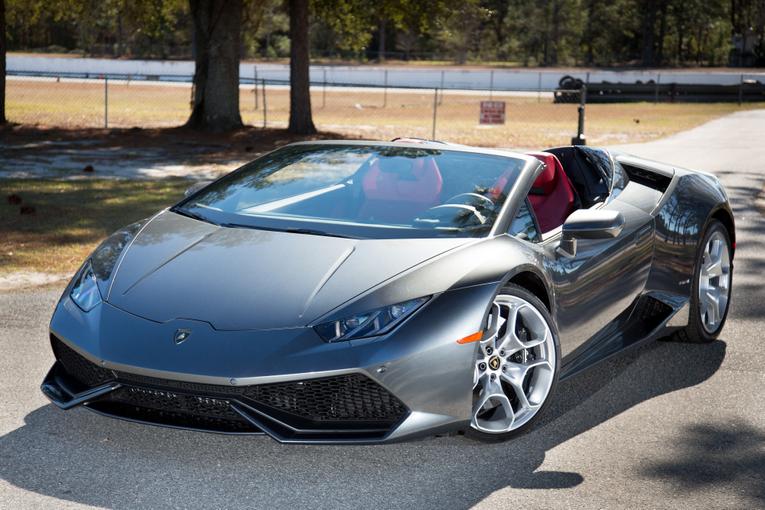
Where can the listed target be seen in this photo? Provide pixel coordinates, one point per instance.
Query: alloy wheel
(515, 366)
(714, 282)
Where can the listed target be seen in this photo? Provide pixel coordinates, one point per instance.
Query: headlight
(105, 256)
(85, 289)
(373, 323)
(94, 276)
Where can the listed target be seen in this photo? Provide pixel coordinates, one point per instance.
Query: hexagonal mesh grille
(351, 397)
(185, 386)
(170, 401)
(81, 369)
(349, 401)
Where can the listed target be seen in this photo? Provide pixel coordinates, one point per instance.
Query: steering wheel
(455, 199)
(433, 214)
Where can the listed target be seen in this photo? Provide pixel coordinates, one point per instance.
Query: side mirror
(195, 187)
(590, 224)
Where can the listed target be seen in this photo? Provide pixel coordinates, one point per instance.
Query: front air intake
(337, 408)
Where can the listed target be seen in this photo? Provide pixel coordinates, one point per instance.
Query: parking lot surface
(669, 425)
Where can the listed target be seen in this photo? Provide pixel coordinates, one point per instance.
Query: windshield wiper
(190, 214)
(308, 231)
(315, 232)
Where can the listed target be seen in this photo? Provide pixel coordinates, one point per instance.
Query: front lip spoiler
(58, 391)
(57, 387)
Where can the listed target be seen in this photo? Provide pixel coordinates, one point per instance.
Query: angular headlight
(105, 256)
(373, 323)
(85, 291)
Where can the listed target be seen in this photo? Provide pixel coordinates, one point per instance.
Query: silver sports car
(346, 292)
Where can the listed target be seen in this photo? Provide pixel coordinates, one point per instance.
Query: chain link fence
(530, 118)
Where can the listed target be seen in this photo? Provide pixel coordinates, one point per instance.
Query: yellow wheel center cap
(494, 362)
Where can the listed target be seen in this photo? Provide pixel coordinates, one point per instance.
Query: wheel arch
(529, 278)
(724, 215)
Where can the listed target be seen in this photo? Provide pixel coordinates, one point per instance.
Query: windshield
(360, 191)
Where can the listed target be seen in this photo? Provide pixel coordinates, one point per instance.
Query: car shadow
(85, 458)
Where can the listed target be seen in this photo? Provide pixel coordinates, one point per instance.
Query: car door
(603, 278)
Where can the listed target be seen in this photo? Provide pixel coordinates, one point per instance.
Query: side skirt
(647, 319)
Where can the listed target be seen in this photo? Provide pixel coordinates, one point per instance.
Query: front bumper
(285, 384)
(342, 408)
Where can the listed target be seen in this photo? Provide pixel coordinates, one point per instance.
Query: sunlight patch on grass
(71, 217)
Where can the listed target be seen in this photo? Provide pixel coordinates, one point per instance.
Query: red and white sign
(492, 112)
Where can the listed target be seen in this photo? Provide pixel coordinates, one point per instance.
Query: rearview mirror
(195, 187)
(590, 224)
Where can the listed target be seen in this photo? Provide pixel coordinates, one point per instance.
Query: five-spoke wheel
(714, 281)
(516, 364)
(710, 299)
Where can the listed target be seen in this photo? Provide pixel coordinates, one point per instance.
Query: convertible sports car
(345, 292)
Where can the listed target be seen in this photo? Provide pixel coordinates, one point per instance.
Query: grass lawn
(532, 121)
(72, 217)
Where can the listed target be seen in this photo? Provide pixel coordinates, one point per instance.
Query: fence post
(435, 109)
(656, 91)
(441, 99)
(265, 104)
(741, 90)
(106, 101)
(580, 139)
(324, 88)
(385, 88)
(255, 84)
(539, 87)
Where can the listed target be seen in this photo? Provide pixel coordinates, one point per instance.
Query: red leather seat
(551, 196)
(396, 189)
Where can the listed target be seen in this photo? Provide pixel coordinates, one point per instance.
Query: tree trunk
(119, 31)
(381, 41)
(500, 29)
(555, 39)
(679, 28)
(2, 62)
(648, 43)
(217, 27)
(589, 34)
(301, 121)
(662, 34)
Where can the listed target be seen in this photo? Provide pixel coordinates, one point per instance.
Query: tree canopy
(522, 32)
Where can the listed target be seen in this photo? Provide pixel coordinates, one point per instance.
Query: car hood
(240, 278)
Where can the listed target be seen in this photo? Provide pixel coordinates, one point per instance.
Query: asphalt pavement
(669, 425)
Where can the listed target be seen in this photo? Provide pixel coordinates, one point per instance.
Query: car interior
(406, 190)
(418, 190)
(573, 178)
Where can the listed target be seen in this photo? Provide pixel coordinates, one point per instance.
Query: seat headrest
(400, 178)
(396, 164)
(546, 181)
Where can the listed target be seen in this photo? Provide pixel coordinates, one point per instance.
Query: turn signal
(471, 338)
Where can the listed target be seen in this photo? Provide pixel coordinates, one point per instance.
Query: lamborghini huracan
(363, 292)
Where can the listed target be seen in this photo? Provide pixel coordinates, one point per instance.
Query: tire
(698, 329)
(523, 363)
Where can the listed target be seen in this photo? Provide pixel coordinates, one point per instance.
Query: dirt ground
(59, 153)
(532, 120)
